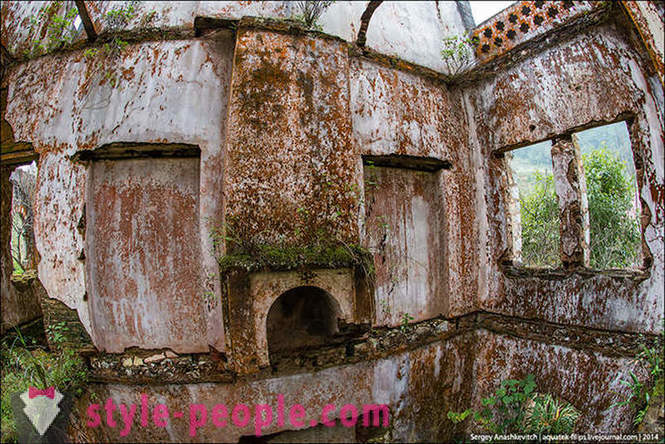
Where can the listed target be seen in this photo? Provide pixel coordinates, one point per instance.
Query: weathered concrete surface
(24, 24)
(587, 380)
(414, 30)
(403, 219)
(409, 30)
(20, 303)
(395, 112)
(59, 218)
(285, 157)
(419, 386)
(410, 383)
(67, 111)
(290, 166)
(570, 187)
(401, 113)
(144, 255)
(265, 288)
(603, 82)
(649, 24)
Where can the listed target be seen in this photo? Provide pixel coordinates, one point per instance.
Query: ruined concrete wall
(414, 384)
(587, 379)
(290, 166)
(286, 146)
(586, 77)
(597, 74)
(403, 225)
(142, 226)
(648, 20)
(20, 296)
(77, 118)
(143, 112)
(397, 112)
(414, 31)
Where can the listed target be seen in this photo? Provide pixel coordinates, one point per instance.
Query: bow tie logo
(48, 392)
(41, 408)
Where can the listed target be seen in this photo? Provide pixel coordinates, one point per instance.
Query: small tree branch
(364, 22)
(85, 19)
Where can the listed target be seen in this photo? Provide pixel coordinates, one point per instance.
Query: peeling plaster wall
(414, 30)
(171, 91)
(290, 165)
(403, 219)
(649, 23)
(413, 384)
(266, 288)
(395, 112)
(597, 75)
(587, 380)
(143, 254)
(20, 302)
(59, 208)
(17, 31)
(409, 30)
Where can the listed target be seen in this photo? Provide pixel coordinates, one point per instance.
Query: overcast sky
(482, 10)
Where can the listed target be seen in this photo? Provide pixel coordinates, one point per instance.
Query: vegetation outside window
(536, 221)
(614, 206)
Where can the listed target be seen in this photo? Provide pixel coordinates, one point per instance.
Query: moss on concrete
(294, 257)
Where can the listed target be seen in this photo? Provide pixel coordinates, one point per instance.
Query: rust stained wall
(173, 91)
(58, 223)
(593, 77)
(406, 382)
(587, 380)
(535, 99)
(403, 229)
(20, 303)
(394, 112)
(143, 254)
(266, 288)
(22, 24)
(301, 113)
(402, 113)
(649, 25)
(290, 165)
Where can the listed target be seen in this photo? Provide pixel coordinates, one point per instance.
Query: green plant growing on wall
(539, 211)
(405, 319)
(458, 54)
(516, 407)
(385, 307)
(60, 29)
(56, 332)
(308, 12)
(115, 20)
(615, 232)
(642, 390)
(549, 415)
(304, 249)
(371, 179)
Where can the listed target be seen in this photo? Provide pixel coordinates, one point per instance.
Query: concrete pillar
(570, 188)
(513, 215)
